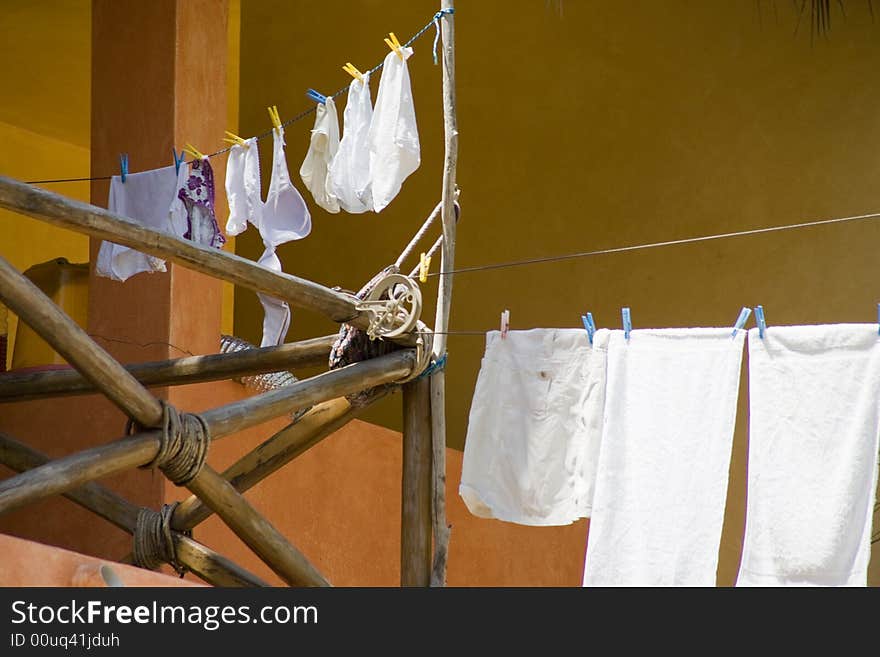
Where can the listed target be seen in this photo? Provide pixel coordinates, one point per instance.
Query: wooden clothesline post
(423, 500)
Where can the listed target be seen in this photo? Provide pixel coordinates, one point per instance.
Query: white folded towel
(661, 481)
(814, 396)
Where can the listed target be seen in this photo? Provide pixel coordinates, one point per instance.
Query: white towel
(661, 482)
(529, 455)
(146, 198)
(814, 396)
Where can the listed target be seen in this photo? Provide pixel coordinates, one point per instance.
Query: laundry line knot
(183, 445)
(153, 542)
(437, 17)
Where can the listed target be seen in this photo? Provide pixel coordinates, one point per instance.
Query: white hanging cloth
(350, 169)
(146, 198)
(283, 217)
(661, 477)
(393, 136)
(814, 423)
(322, 149)
(535, 426)
(243, 187)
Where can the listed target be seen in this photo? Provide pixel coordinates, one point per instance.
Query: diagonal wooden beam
(61, 475)
(347, 380)
(279, 450)
(15, 387)
(103, 224)
(257, 532)
(69, 340)
(201, 560)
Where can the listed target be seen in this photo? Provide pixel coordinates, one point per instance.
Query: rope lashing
(183, 446)
(437, 17)
(152, 542)
(434, 367)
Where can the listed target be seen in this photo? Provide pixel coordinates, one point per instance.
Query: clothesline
(652, 245)
(435, 21)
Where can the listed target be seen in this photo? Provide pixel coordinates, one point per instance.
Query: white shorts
(534, 427)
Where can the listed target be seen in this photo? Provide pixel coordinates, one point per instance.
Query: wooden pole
(97, 499)
(69, 340)
(180, 371)
(64, 474)
(270, 456)
(60, 475)
(415, 526)
(204, 562)
(302, 394)
(444, 300)
(103, 224)
(212, 567)
(257, 532)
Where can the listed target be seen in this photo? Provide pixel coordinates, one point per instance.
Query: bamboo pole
(257, 532)
(204, 562)
(444, 301)
(180, 371)
(69, 340)
(271, 455)
(60, 475)
(103, 224)
(415, 526)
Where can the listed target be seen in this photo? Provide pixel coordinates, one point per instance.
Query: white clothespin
(759, 317)
(505, 323)
(627, 322)
(741, 320)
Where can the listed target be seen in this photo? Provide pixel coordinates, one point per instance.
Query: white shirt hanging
(350, 169)
(393, 136)
(322, 149)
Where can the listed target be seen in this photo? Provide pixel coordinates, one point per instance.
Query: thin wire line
(652, 245)
(298, 117)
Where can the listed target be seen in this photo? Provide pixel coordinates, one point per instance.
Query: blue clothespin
(759, 317)
(627, 322)
(123, 165)
(741, 320)
(589, 325)
(314, 95)
(178, 159)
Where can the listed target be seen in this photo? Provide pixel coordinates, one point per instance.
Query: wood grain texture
(68, 339)
(16, 387)
(415, 526)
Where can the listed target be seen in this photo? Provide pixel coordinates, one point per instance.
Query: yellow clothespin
(276, 118)
(353, 72)
(424, 265)
(394, 44)
(233, 138)
(189, 148)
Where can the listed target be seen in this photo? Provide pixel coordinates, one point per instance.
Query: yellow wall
(45, 126)
(44, 120)
(587, 125)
